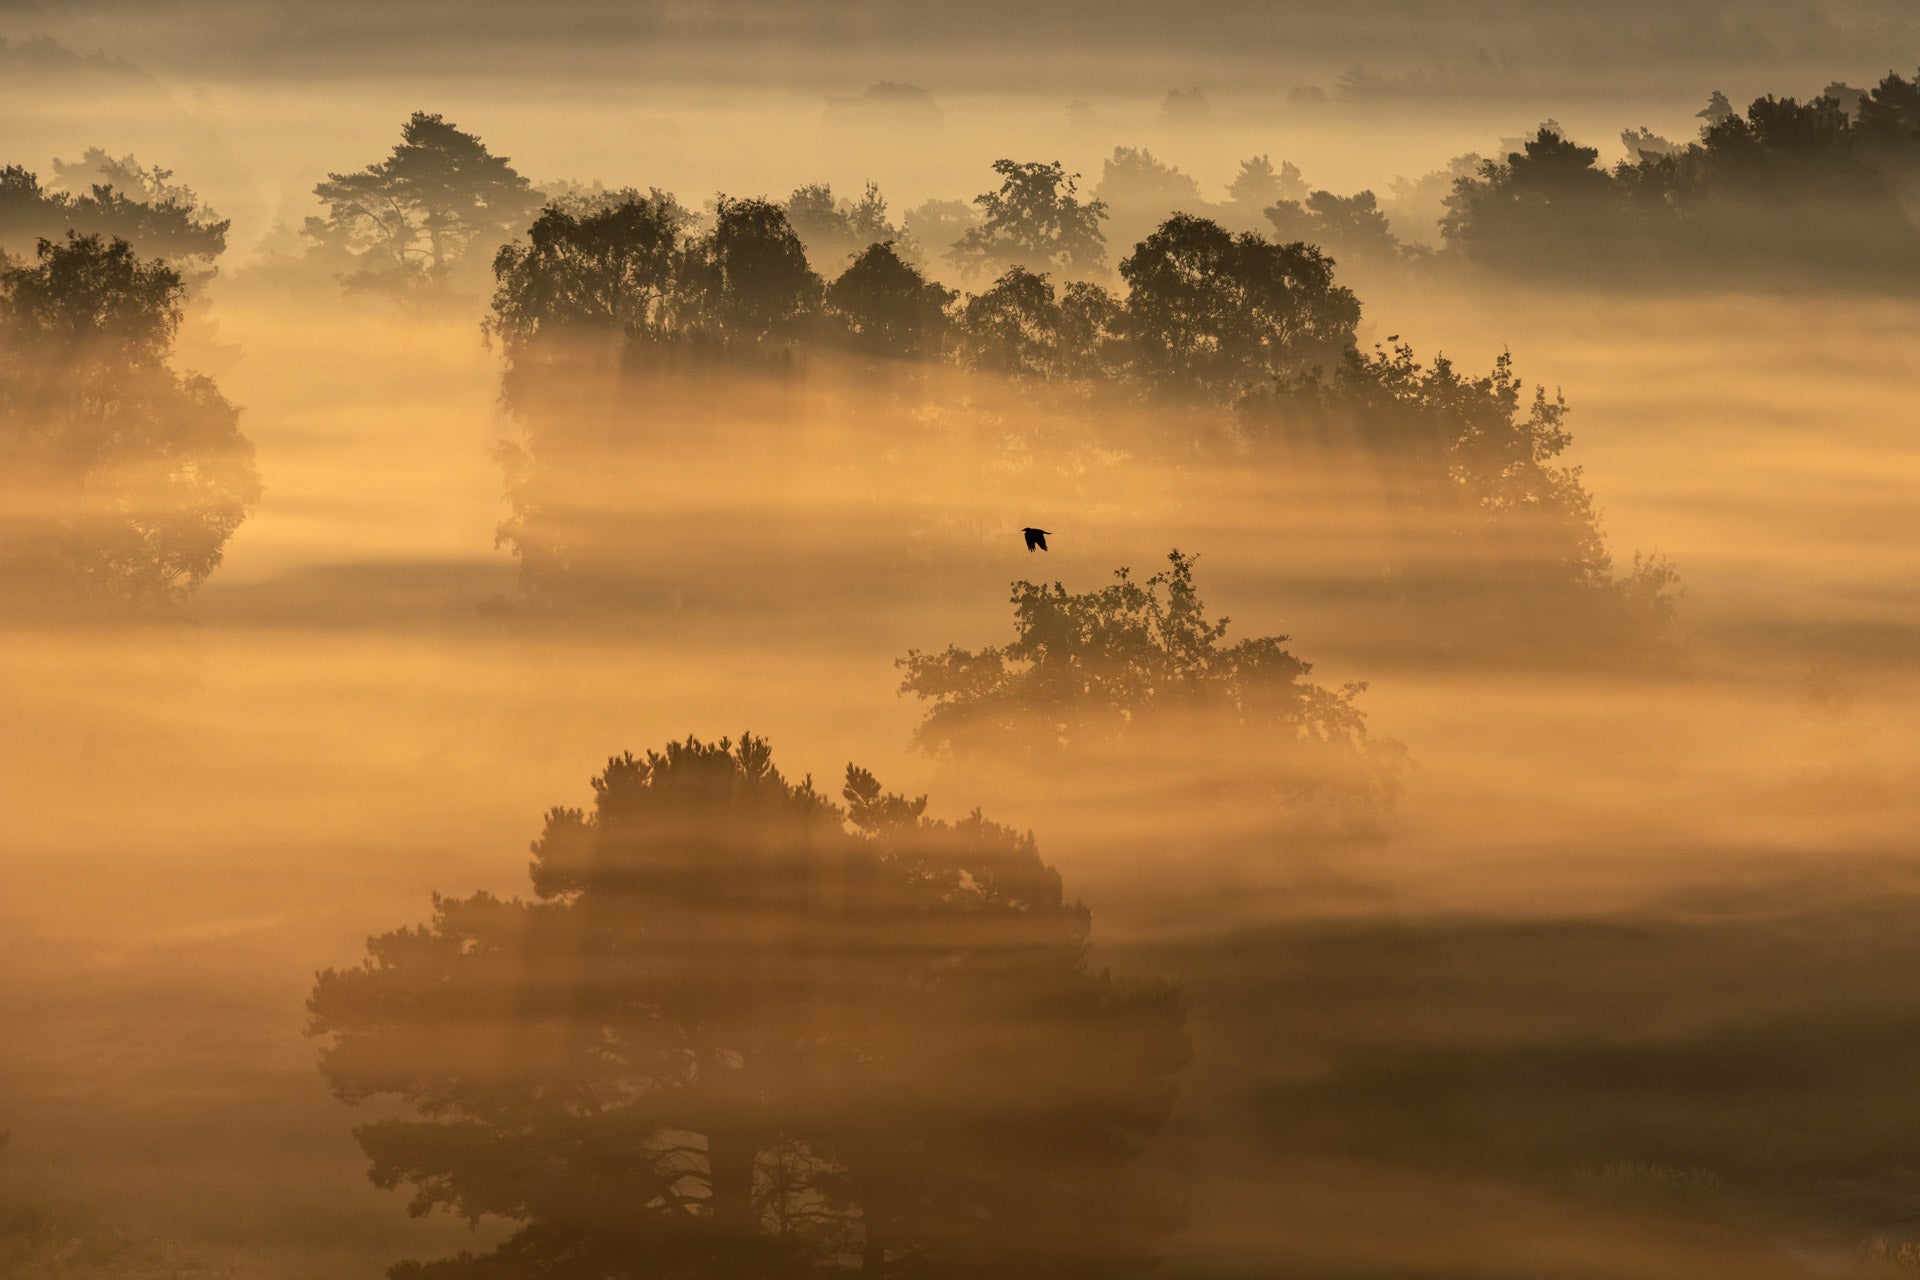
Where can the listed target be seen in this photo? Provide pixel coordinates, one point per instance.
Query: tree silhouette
(1258, 186)
(747, 280)
(931, 228)
(1351, 226)
(113, 198)
(1490, 451)
(1140, 191)
(123, 479)
(1717, 110)
(1132, 659)
(609, 272)
(1036, 221)
(1214, 311)
(430, 214)
(1023, 327)
(1543, 198)
(887, 308)
(834, 231)
(1818, 187)
(742, 1031)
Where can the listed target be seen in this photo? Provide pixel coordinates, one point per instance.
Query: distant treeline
(1827, 188)
(1824, 190)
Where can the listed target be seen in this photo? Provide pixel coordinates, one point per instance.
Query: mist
(532, 741)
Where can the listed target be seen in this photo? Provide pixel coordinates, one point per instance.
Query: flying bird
(1036, 538)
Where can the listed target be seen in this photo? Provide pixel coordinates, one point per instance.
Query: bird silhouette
(1036, 538)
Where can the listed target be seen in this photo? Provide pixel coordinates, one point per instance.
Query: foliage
(740, 1030)
(747, 280)
(1349, 225)
(1133, 659)
(113, 198)
(1035, 220)
(1824, 186)
(1549, 188)
(1498, 445)
(428, 216)
(1213, 311)
(1492, 450)
(1258, 186)
(1022, 327)
(887, 308)
(123, 478)
(1140, 191)
(935, 224)
(835, 231)
(610, 269)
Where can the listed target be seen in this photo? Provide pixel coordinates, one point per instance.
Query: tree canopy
(835, 230)
(1132, 659)
(1217, 311)
(1787, 186)
(747, 280)
(610, 269)
(1350, 225)
(887, 308)
(1037, 221)
(123, 479)
(431, 214)
(741, 1030)
(113, 198)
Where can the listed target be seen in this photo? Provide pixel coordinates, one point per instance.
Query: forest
(1437, 808)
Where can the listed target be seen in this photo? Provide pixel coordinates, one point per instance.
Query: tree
(1139, 192)
(114, 198)
(740, 1030)
(1543, 203)
(1717, 110)
(1349, 225)
(1014, 327)
(1258, 186)
(747, 281)
(1891, 111)
(609, 271)
(1489, 450)
(887, 308)
(122, 479)
(1036, 221)
(1211, 311)
(1643, 143)
(1134, 660)
(429, 215)
(835, 230)
(1820, 186)
(935, 225)
(1022, 327)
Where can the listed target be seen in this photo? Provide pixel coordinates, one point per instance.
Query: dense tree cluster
(122, 479)
(113, 198)
(1825, 185)
(835, 230)
(1255, 337)
(1205, 310)
(741, 1030)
